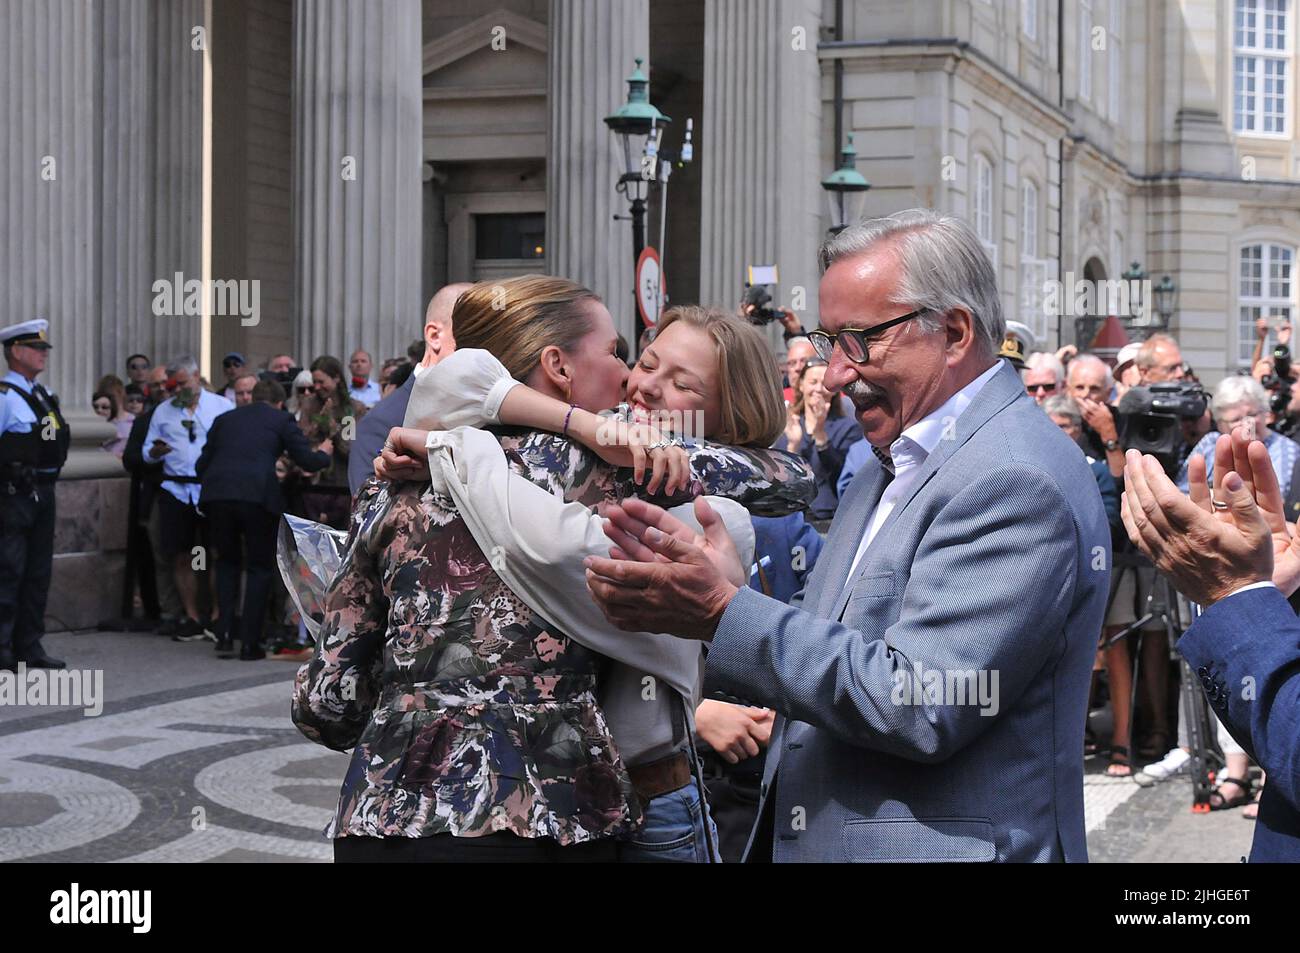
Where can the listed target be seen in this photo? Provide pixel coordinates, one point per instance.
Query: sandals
(1220, 803)
(1120, 766)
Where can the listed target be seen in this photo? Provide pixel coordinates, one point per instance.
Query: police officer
(34, 442)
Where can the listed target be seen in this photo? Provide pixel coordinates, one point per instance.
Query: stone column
(126, 271)
(177, 169)
(591, 49)
(760, 149)
(357, 190)
(49, 203)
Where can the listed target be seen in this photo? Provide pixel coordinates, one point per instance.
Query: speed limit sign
(649, 286)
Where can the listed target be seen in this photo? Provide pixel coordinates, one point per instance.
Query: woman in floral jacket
(471, 715)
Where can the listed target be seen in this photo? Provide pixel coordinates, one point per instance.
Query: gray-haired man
(177, 434)
(932, 683)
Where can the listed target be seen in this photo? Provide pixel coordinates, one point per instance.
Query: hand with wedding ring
(404, 456)
(669, 463)
(1208, 553)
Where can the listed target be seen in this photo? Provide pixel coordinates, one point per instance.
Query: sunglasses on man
(856, 342)
(1040, 388)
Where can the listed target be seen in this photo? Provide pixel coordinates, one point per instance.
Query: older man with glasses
(971, 553)
(1044, 376)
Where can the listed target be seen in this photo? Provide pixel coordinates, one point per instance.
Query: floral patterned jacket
(467, 712)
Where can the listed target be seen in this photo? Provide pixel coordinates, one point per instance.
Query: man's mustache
(860, 392)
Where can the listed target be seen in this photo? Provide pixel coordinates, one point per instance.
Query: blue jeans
(673, 831)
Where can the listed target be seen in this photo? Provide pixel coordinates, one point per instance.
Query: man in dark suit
(1233, 554)
(373, 429)
(242, 498)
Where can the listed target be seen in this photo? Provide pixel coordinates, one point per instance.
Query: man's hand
(1098, 416)
(159, 449)
(1251, 461)
(1206, 556)
(735, 732)
(790, 321)
(664, 577)
(1066, 354)
(1284, 333)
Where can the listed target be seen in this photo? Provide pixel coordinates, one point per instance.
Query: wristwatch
(1111, 445)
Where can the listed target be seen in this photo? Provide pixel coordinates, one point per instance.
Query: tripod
(1162, 605)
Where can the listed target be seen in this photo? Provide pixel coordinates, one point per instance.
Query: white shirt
(913, 446)
(368, 395)
(168, 423)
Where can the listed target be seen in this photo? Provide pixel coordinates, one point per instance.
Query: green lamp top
(638, 114)
(846, 178)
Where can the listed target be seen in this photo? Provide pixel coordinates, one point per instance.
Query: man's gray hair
(184, 362)
(1045, 361)
(1060, 405)
(944, 267)
(1233, 391)
(1092, 360)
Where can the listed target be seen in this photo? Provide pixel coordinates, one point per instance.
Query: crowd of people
(569, 628)
(213, 468)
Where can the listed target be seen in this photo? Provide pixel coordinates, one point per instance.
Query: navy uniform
(34, 442)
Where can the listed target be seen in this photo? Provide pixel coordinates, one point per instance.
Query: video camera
(284, 378)
(1278, 384)
(756, 301)
(1151, 419)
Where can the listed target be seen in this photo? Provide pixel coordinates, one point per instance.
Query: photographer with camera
(1277, 375)
(756, 307)
(1159, 416)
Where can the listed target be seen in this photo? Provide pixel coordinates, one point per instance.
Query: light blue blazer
(991, 571)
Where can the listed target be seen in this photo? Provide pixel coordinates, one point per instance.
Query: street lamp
(1166, 295)
(845, 189)
(637, 119)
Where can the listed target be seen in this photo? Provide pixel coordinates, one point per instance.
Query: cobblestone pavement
(194, 759)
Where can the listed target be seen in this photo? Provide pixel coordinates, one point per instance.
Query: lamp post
(1166, 300)
(845, 189)
(1150, 309)
(637, 119)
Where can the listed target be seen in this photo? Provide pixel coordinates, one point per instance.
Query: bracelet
(565, 431)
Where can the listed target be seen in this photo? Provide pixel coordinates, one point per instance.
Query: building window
(1085, 51)
(1265, 289)
(1029, 18)
(1261, 66)
(1029, 220)
(1033, 270)
(983, 206)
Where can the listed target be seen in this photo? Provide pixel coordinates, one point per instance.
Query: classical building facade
(338, 160)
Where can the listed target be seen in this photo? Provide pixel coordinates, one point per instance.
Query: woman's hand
(735, 732)
(404, 456)
(817, 408)
(670, 464)
(793, 432)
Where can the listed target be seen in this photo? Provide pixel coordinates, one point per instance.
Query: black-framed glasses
(855, 342)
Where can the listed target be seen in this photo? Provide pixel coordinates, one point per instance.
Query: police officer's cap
(31, 333)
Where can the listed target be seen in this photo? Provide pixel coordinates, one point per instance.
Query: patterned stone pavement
(195, 759)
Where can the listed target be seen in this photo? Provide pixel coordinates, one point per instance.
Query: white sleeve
(536, 543)
(464, 389)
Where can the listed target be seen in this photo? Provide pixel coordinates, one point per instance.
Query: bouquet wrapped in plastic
(309, 556)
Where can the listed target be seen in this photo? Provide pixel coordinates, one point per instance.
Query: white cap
(1126, 356)
(31, 333)
(1025, 335)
